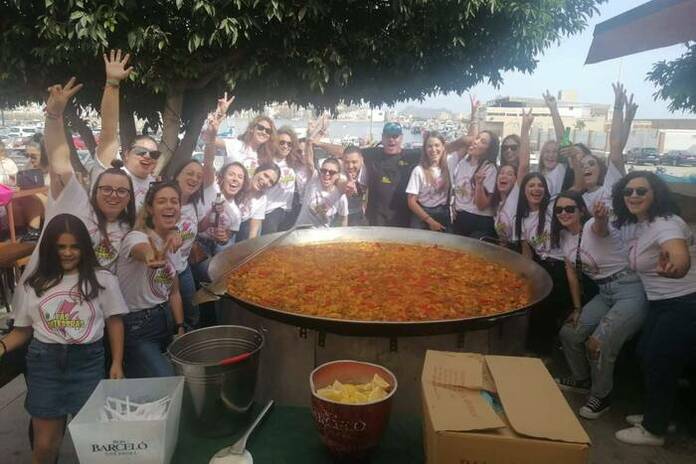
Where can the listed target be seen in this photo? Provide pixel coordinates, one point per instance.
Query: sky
(562, 67)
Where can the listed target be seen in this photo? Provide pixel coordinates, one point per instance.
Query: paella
(371, 281)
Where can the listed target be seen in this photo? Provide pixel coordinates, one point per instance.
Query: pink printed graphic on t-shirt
(63, 314)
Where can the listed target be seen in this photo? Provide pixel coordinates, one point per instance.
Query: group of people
(126, 252)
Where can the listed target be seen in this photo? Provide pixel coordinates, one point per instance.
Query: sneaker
(595, 407)
(637, 435)
(577, 386)
(637, 419)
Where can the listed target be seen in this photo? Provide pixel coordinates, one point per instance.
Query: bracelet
(113, 83)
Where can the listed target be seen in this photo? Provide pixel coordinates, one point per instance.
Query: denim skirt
(60, 378)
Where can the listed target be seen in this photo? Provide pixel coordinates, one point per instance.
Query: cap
(392, 129)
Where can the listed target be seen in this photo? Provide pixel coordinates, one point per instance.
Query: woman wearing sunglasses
(141, 158)
(662, 251)
(324, 202)
(510, 150)
(280, 196)
(507, 185)
(600, 177)
(593, 334)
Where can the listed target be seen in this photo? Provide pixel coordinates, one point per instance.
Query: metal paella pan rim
(537, 277)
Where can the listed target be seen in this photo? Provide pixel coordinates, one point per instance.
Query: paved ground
(680, 449)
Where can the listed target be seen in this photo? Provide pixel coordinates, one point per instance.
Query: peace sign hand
(474, 104)
(155, 259)
(665, 267)
(600, 211)
(59, 96)
(115, 65)
(527, 119)
(549, 99)
(223, 105)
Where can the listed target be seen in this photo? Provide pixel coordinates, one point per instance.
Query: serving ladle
(237, 453)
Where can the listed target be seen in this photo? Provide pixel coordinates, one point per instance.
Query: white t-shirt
(506, 214)
(60, 316)
(75, 200)
(554, 179)
(301, 179)
(430, 195)
(253, 208)
(241, 153)
(229, 219)
(280, 195)
(188, 229)
(603, 193)
(320, 206)
(141, 286)
(140, 186)
(643, 241)
(541, 243)
(464, 191)
(601, 256)
(8, 171)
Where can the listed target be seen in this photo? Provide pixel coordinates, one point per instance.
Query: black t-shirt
(388, 177)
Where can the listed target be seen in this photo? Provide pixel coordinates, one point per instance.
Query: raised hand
(223, 105)
(59, 96)
(527, 119)
(600, 211)
(619, 95)
(475, 104)
(631, 107)
(210, 130)
(115, 65)
(550, 100)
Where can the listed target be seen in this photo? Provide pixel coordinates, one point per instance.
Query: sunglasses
(262, 128)
(283, 143)
(328, 172)
(570, 209)
(510, 147)
(640, 191)
(141, 151)
(591, 163)
(107, 190)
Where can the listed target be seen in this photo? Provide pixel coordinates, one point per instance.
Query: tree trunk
(193, 130)
(171, 124)
(72, 122)
(126, 125)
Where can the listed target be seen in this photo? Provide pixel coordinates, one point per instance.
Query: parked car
(679, 158)
(643, 156)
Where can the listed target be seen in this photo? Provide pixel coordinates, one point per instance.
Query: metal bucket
(217, 398)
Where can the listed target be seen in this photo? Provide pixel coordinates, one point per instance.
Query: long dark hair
(489, 157)
(496, 198)
(425, 163)
(523, 205)
(518, 140)
(127, 216)
(197, 196)
(663, 204)
(223, 172)
(294, 160)
(37, 141)
(261, 167)
(556, 226)
(49, 271)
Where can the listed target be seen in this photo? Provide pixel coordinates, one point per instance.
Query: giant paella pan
(378, 281)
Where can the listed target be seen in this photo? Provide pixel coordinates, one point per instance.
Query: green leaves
(675, 81)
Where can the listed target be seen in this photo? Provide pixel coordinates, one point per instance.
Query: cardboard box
(496, 410)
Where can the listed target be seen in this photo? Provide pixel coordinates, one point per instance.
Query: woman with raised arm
(473, 181)
(507, 187)
(148, 280)
(109, 210)
(594, 333)
(552, 161)
(252, 148)
(324, 201)
(280, 196)
(662, 250)
(69, 301)
(600, 177)
(429, 186)
(141, 157)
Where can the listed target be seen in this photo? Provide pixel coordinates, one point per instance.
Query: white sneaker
(637, 419)
(637, 435)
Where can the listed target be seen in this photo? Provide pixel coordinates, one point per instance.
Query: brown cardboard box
(463, 424)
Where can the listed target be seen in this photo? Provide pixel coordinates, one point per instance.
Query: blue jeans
(612, 317)
(666, 346)
(147, 334)
(273, 221)
(187, 288)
